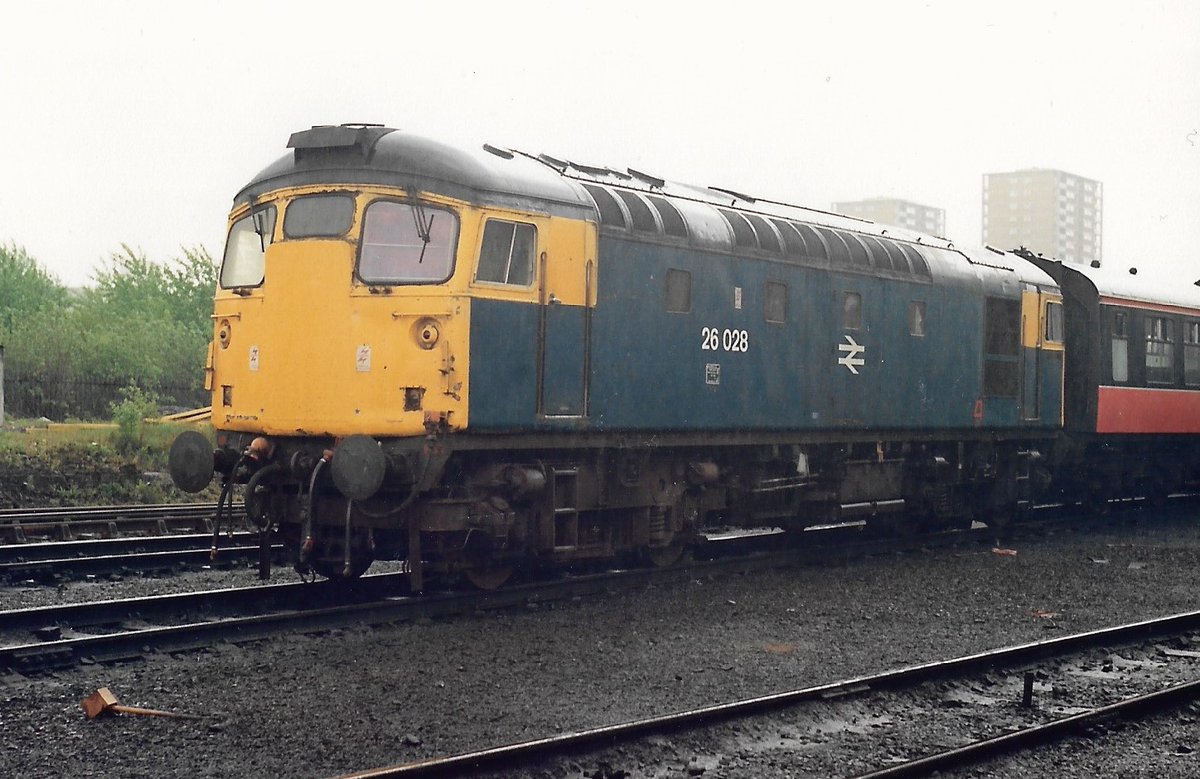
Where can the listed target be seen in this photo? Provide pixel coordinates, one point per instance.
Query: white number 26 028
(713, 339)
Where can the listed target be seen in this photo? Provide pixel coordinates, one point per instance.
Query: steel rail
(19, 526)
(289, 595)
(52, 551)
(523, 752)
(115, 511)
(130, 561)
(31, 657)
(1036, 735)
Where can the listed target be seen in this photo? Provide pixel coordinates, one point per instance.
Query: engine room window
(249, 238)
(507, 254)
(318, 216)
(672, 220)
(916, 318)
(880, 258)
(767, 241)
(1160, 357)
(859, 256)
(679, 291)
(606, 204)
(643, 220)
(1054, 322)
(406, 243)
(839, 253)
(920, 266)
(1191, 354)
(852, 311)
(775, 302)
(743, 234)
(1120, 347)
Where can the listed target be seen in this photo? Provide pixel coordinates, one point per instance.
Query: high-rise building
(901, 213)
(1049, 212)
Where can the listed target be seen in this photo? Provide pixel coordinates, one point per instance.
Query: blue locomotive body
(527, 361)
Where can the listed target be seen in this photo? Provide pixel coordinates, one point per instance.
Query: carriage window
(679, 291)
(916, 318)
(1054, 322)
(506, 256)
(1160, 343)
(775, 302)
(249, 238)
(318, 216)
(1191, 354)
(852, 311)
(406, 243)
(1120, 347)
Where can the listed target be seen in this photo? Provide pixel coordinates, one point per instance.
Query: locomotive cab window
(507, 253)
(679, 291)
(1160, 350)
(1054, 322)
(406, 243)
(243, 263)
(318, 216)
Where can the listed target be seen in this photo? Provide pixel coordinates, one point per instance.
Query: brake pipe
(226, 492)
(306, 545)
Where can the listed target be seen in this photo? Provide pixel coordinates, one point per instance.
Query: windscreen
(407, 243)
(249, 238)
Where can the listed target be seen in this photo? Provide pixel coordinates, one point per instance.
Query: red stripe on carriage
(1141, 410)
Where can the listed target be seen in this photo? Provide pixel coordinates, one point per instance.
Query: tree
(143, 324)
(26, 290)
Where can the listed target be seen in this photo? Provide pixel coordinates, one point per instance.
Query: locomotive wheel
(336, 569)
(665, 556)
(328, 554)
(488, 577)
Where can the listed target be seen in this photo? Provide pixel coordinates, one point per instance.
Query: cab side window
(507, 253)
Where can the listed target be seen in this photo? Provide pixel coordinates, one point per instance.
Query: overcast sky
(130, 122)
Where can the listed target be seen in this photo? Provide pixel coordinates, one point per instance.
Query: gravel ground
(323, 705)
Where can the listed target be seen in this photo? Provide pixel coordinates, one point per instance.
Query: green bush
(130, 415)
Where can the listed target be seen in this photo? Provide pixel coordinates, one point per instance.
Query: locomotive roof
(373, 154)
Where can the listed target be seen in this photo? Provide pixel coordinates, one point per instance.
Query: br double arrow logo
(851, 359)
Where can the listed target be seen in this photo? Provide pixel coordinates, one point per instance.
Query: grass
(73, 464)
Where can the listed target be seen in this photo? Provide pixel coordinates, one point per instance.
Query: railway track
(1035, 727)
(48, 545)
(22, 526)
(99, 631)
(52, 561)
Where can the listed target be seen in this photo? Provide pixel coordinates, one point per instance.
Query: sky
(136, 122)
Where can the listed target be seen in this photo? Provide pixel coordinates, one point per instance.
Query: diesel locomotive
(475, 359)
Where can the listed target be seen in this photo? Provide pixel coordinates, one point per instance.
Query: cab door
(567, 294)
(1031, 352)
(1042, 350)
